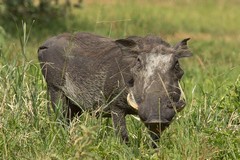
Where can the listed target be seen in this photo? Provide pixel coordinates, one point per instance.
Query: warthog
(136, 75)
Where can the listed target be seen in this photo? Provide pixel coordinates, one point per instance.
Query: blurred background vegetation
(208, 128)
(42, 11)
(203, 19)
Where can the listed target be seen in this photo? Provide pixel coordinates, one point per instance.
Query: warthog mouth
(158, 124)
(157, 128)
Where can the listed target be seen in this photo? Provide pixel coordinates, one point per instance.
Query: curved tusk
(131, 101)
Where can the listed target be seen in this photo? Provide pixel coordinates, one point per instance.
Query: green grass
(208, 128)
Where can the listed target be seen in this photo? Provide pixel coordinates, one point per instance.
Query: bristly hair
(149, 42)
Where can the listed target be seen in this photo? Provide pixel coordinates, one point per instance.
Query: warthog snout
(169, 110)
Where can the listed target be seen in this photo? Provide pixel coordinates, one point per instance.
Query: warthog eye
(131, 82)
(138, 65)
(177, 65)
(178, 70)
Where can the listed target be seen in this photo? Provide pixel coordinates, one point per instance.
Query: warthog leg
(119, 122)
(63, 107)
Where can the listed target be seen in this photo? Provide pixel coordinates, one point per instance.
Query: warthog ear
(129, 49)
(126, 43)
(182, 49)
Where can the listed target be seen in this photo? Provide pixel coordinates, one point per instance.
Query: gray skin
(86, 72)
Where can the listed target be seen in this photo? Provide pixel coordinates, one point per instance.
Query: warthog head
(155, 90)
